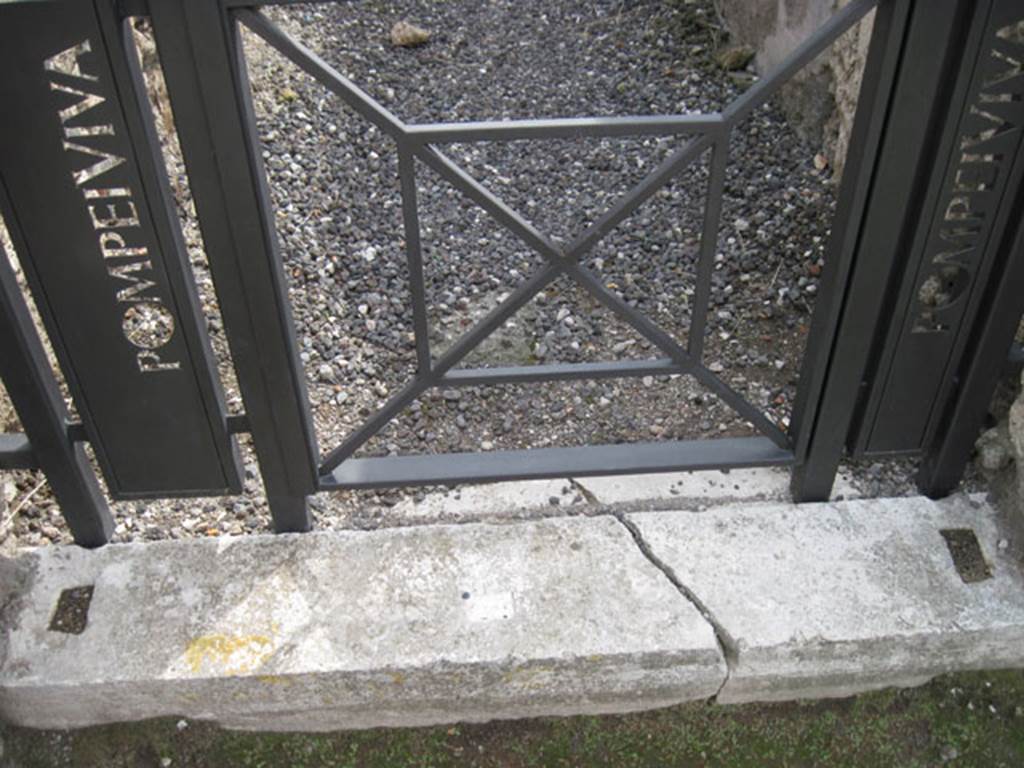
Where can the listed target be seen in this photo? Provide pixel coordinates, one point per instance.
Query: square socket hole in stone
(72, 611)
(968, 559)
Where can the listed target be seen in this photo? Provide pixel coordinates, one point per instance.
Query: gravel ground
(334, 184)
(343, 233)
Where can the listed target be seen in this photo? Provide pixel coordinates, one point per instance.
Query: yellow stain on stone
(274, 679)
(229, 654)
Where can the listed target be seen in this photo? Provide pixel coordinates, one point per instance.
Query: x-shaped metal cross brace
(416, 141)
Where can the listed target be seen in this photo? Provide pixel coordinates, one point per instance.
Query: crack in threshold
(726, 643)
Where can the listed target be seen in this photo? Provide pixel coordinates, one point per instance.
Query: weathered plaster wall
(822, 99)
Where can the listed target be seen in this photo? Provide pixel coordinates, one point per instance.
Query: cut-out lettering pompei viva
(985, 147)
(111, 209)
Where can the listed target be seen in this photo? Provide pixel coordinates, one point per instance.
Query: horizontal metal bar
(462, 347)
(465, 377)
(565, 128)
(16, 452)
(806, 52)
(537, 463)
(320, 70)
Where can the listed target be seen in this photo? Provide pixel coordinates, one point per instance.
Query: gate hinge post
(833, 373)
(200, 51)
(33, 390)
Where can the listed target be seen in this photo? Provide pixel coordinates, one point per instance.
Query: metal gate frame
(201, 55)
(191, 33)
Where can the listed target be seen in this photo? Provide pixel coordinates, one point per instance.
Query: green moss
(978, 716)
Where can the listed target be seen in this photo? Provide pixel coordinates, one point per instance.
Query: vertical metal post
(708, 244)
(201, 56)
(30, 383)
(915, 50)
(414, 257)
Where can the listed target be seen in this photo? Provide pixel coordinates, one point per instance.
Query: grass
(974, 719)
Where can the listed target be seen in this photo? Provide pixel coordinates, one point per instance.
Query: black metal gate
(920, 298)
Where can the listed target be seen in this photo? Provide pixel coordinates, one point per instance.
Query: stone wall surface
(821, 100)
(1016, 430)
(999, 453)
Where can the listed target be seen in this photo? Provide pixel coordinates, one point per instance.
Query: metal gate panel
(90, 212)
(922, 280)
(698, 135)
(956, 242)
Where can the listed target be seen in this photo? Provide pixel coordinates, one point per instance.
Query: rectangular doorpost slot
(968, 559)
